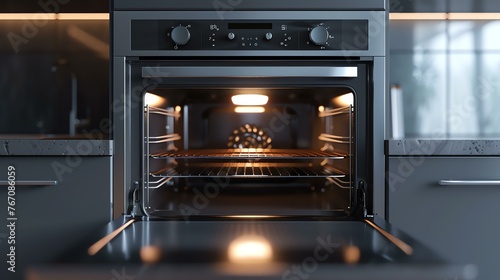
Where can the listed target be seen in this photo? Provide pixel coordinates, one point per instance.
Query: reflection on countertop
(443, 147)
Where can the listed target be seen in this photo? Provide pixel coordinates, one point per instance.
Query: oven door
(251, 249)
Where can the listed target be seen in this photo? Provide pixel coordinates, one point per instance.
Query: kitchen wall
(446, 70)
(41, 59)
(455, 6)
(448, 73)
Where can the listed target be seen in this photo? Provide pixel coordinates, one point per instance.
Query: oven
(249, 143)
(277, 114)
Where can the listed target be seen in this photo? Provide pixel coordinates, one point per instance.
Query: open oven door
(251, 249)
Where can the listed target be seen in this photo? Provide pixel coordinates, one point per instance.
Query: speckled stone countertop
(436, 147)
(55, 147)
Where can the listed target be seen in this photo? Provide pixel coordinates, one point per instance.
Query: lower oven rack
(248, 170)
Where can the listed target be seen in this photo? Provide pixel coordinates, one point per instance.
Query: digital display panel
(253, 25)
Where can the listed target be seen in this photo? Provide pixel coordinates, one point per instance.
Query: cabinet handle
(469, 182)
(30, 183)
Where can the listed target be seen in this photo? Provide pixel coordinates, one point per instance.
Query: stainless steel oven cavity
(256, 114)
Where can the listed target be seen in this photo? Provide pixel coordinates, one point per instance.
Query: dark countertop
(60, 145)
(445, 147)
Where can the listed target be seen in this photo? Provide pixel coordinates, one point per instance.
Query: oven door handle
(469, 182)
(29, 183)
(250, 72)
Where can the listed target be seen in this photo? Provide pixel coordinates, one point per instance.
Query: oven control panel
(250, 35)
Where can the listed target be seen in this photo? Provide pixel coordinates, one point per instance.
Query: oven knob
(269, 36)
(319, 35)
(231, 36)
(180, 35)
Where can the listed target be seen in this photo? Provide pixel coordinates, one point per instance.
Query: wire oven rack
(234, 154)
(246, 163)
(248, 170)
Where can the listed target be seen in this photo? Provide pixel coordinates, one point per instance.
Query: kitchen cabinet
(58, 82)
(457, 219)
(446, 70)
(58, 201)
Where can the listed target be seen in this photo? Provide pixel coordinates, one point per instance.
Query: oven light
(154, 100)
(250, 99)
(344, 100)
(150, 254)
(352, 254)
(250, 249)
(253, 110)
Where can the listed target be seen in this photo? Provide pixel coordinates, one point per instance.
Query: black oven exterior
(171, 64)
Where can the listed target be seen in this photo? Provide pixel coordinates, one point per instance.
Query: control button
(180, 35)
(319, 35)
(231, 36)
(269, 36)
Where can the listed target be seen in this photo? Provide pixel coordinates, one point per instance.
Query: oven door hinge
(362, 198)
(136, 200)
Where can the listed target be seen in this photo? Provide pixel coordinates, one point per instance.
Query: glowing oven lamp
(250, 99)
(250, 249)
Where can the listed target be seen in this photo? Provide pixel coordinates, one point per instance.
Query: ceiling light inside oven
(344, 100)
(154, 100)
(250, 99)
(250, 109)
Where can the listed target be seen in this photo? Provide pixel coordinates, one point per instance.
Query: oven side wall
(378, 126)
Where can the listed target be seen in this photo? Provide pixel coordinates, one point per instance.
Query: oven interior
(230, 151)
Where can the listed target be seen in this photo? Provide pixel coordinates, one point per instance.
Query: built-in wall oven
(249, 113)
(249, 143)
